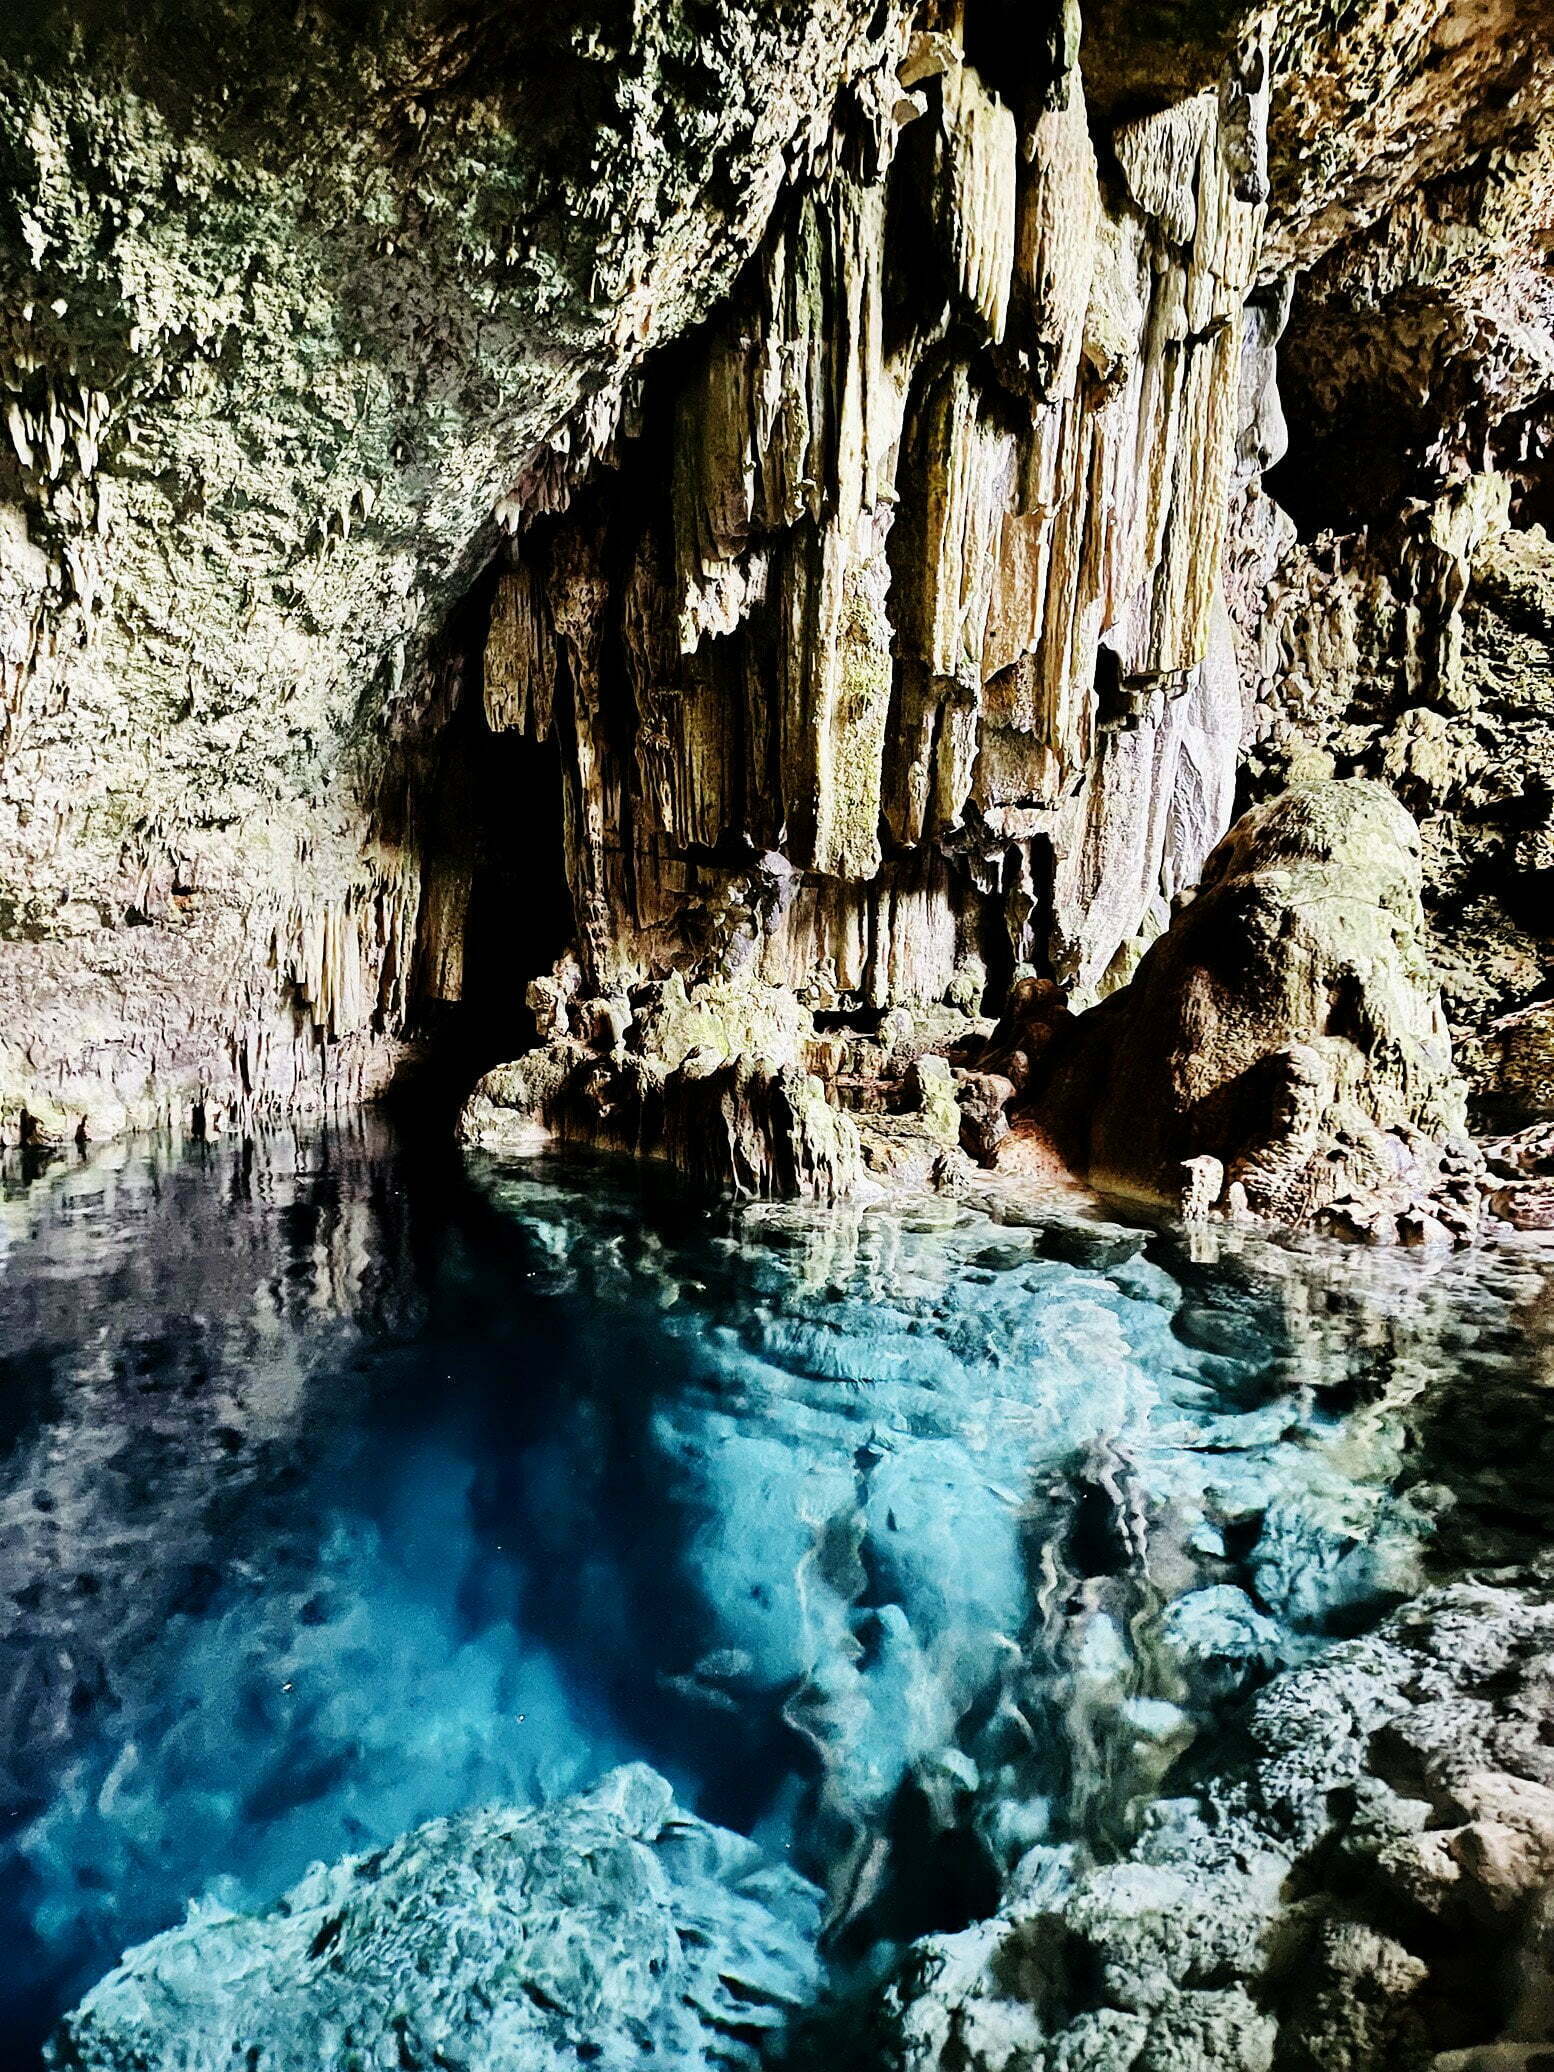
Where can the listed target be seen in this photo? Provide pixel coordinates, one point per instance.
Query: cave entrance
(496, 908)
(520, 905)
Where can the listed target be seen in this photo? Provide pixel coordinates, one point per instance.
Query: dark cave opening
(496, 907)
(993, 938)
(520, 905)
(1348, 463)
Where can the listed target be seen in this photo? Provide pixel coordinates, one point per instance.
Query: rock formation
(1282, 1048)
(298, 313)
(754, 1121)
(849, 593)
(867, 655)
(1521, 1177)
(802, 518)
(1368, 1886)
(595, 1931)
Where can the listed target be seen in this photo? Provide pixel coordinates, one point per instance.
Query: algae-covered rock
(759, 1128)
(710, 1077)
(607, 1930)
(1289, 1027)
(726, 1016)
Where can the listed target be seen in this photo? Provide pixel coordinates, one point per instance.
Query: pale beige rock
(1286, 1026)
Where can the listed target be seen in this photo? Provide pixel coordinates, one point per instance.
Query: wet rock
(1286, 1027)
(588, 1932)
(758, 1128)
(1224, 1643)
(984, 1100)
(1094, 1244)
(729, 1119)
(1274, 1916)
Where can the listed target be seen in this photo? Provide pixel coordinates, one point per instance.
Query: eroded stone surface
(289, 337)
(1283, 1049)
(1366, 1885)
(898, 653)
(589, 1932)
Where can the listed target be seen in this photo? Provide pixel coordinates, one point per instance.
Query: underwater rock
(1288, 1027)
(959, 1542)
(1366, 1883)
(598, 1931)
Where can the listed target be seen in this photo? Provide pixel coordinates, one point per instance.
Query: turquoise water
(342, 1485)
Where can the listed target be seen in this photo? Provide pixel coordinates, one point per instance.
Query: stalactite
(921, 606)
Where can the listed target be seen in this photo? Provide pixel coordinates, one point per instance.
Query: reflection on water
(342, 1487)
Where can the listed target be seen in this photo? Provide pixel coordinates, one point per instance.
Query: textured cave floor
(343, 1484)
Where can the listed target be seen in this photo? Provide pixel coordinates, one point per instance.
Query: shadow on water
(342, 1485)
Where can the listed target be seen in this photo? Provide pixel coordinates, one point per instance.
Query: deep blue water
(342, 1485)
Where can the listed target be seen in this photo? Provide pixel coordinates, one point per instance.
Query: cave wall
(1398, 615)
(939, 614)
(295, 303)
(829, 439)
(894, 654)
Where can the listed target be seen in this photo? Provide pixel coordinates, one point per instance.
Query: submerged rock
(1282, 1050)
(607, 1930)
(1366, 1885)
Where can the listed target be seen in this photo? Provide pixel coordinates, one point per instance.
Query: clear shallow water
(342, 1486)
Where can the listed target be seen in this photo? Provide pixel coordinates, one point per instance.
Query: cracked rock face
(764, 491)
(296, 313)
(877, 636)
(1368, 1886)
(1421, 657)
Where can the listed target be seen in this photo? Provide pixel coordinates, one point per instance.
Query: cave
(776, 1036)
(493, 816)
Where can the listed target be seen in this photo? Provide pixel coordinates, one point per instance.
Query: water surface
(343, 1485)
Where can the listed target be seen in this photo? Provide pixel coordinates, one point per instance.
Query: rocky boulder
(1520, 1177)
(1366, 1887)
(607, 1930)
(1282, 1049)
(711, 1077)
(1513, 1065)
